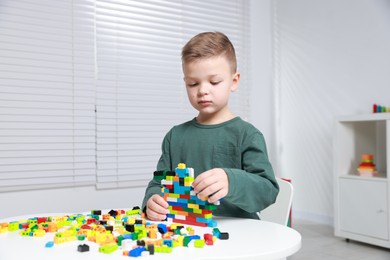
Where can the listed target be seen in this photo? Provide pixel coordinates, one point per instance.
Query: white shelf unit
(362, 204)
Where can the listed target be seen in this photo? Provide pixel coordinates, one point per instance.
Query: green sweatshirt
(235, 146)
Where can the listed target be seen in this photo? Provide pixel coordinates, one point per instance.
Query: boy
(228, 155)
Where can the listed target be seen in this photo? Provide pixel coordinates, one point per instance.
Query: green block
(163, 249)
(81, 237)
(119, 240)
(186, 240)
(210, 206)
(13, 226)
(108, 249)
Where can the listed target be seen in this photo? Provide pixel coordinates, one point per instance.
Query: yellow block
(181, 166)
(208, 215)
(180, 240)
(173, 195)
(193, 206)
(39, 233)
(197, 211)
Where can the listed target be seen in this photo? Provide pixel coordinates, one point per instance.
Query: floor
(319, 243)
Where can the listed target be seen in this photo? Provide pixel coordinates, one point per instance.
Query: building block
(136, 252)
(208, 238)
(83, 248)
(187, 239)
(184, 206)
(163, 249)
(49, 244)
(162, 228)
(151, 249)
(199, 243)
(108, 249)
(224, 235)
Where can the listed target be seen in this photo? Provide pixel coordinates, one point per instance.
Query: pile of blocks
(184, 206)
(113, 231)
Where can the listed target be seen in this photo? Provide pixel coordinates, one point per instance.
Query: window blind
(89, 88)
(140, 93)
(47, 117)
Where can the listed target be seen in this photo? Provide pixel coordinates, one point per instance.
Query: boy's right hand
(156, 208)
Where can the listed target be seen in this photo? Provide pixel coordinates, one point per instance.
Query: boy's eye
(215, 82)
(192, 84)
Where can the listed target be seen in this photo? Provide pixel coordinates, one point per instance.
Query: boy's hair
(207, 45)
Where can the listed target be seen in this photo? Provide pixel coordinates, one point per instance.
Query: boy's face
(209, 83)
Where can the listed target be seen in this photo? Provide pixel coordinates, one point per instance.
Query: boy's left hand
(213, 184)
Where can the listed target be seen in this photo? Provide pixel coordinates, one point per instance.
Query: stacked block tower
(367, 166)
(184, 206)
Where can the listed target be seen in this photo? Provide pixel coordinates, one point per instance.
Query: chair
(279, 212)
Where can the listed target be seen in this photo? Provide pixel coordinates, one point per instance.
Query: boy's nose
(204, 89)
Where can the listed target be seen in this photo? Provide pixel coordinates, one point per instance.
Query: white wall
(262, 99)
(331, 58)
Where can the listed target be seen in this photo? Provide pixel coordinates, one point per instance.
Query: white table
(248, 239)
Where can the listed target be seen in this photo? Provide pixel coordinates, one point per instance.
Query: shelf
(357, 177)
(362, 203)
(362, 135)
(365, 117)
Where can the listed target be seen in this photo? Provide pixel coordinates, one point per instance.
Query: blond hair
(208, 45)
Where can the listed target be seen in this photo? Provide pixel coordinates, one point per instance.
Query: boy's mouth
(204, 103)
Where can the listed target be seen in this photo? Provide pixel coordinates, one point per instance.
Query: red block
(185, 196)
(208, 238)
(177, 208)
(42, 220)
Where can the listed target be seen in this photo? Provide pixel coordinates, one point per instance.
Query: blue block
(127, 236)
(168, 242)
(182, 172)
(162, 228)
(170, 215)
(183, 205)
(177, 189)
(183, 201)
(216, 232)
(49, 244)
(212, 224)
(136, 251)
(203, 220)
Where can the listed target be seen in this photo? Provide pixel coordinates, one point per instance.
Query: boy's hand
(156, 208)
(213, 183)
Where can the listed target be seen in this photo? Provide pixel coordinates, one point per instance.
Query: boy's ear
(236, 81)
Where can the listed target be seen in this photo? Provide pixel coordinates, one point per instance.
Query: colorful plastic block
(49, 244)
(83, 248)
(184, 206)
(108, 249)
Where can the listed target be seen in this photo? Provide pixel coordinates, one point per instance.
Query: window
(47, 120)
(88, 88)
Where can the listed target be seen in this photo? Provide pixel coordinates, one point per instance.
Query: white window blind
(140, 92)
(47, 103)
(61, 60)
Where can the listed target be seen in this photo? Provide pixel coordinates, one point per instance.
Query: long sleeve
(256, 177)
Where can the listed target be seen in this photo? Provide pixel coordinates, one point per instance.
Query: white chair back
(279, 212)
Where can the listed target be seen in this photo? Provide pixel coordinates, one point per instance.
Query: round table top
(248, 239)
